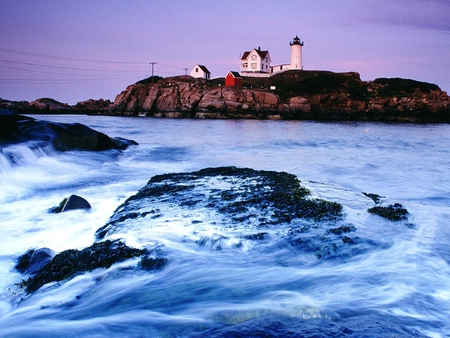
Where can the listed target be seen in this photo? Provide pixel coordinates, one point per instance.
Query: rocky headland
(292, 95)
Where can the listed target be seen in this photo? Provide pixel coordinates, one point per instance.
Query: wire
(60, 67)
(65, 81)
(12, 51)
(58, 73)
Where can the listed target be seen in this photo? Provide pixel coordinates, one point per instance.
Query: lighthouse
(296, 53)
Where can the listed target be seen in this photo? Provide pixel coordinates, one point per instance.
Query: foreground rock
(257, 198)
(227, 209)
(16, 128)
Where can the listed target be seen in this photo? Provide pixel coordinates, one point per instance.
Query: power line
(13, 51)
(61, 67)
(65, 81)
(59, 73)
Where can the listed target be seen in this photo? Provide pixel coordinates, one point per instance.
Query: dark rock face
(72, 262)
(17, 129)
(34, 260)
(74, 202)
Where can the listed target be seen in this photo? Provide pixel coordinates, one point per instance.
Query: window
(253, 57)
(253, 65)
(196, 70)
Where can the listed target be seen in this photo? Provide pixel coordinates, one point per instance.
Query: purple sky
(75, 50)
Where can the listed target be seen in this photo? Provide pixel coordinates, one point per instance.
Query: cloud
(423, 14)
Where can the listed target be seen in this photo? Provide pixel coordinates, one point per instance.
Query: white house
(200, 71)
(255, 61)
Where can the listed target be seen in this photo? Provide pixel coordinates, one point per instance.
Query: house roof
(204, 69)
(262, 53)
(245, 56)
(234, 74)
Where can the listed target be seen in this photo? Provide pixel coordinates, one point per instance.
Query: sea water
(400, 287)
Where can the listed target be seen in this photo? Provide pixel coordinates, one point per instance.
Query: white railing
(255, 74)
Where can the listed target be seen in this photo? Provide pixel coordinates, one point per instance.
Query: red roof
(234, 74)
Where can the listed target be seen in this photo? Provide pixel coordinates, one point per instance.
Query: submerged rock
(33, 261)
(374, 197)
(391, 212)
(74, 202)
(72, 262)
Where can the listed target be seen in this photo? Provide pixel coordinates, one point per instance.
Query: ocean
(398, 285)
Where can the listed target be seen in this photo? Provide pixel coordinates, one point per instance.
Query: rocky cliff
(291, 95)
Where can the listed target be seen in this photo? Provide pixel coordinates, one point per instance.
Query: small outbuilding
(200, 71)
(233, 79)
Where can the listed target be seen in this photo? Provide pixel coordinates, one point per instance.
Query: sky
(72, 51)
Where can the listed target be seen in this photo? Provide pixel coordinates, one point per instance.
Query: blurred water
(400, 287)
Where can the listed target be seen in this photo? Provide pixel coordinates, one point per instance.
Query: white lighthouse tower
(296, 53)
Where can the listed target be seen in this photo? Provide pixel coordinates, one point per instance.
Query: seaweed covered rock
(232, 209)
(239, 195)
(394, 212)
(72, 262)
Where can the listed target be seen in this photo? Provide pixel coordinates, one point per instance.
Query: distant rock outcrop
(51, 106)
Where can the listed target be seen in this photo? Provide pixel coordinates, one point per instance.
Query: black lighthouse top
(296, 41)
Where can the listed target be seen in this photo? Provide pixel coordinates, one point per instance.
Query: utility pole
(185, 71)
(153, 64)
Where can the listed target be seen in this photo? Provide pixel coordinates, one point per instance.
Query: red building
(233, 79)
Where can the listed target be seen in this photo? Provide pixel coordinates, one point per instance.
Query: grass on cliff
(307, 83)
(402, 87)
